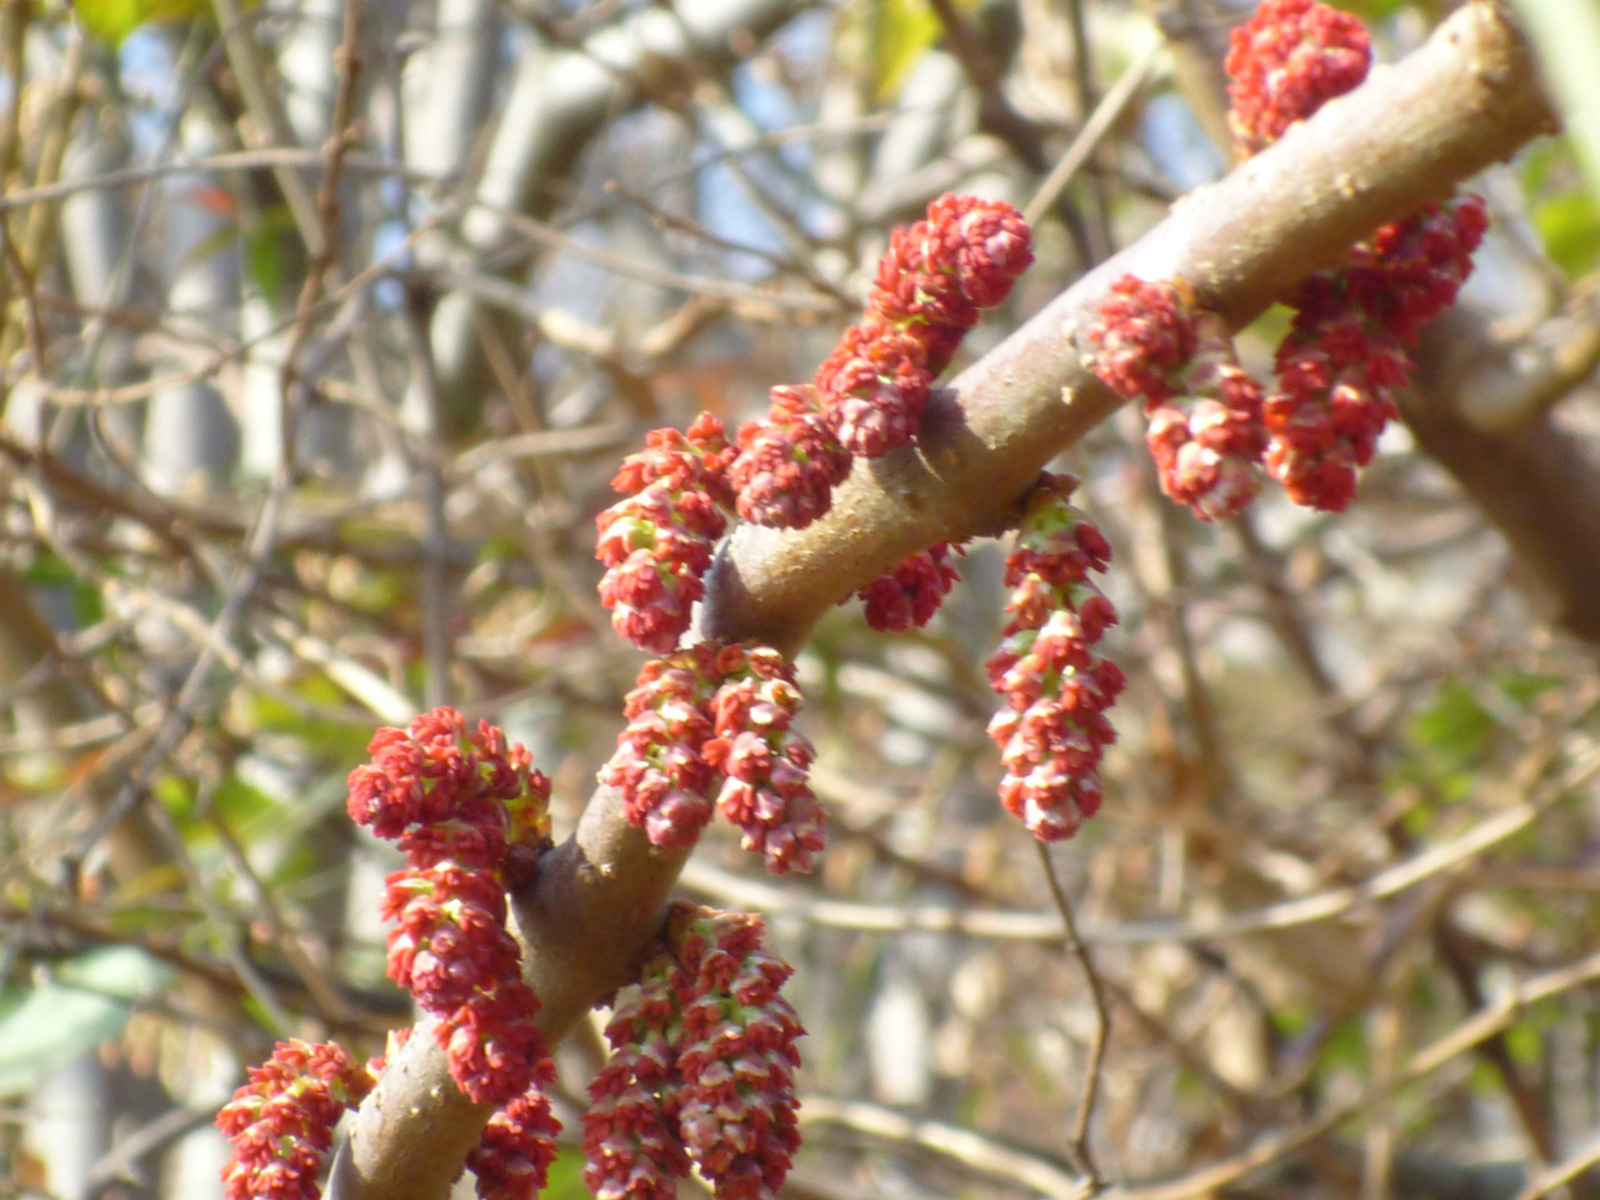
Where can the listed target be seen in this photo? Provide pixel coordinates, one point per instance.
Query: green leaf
(112, 20)
(903, 32)
(1455, 729)
(566, 1177)
(1569, 225)
(86, 1002)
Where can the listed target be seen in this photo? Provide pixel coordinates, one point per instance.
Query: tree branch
(1465, 99)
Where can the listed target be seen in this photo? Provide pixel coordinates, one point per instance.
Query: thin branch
(963, 1145)
(1566, 1171)
(1486, 1023)
(1482, 836)
(1105, 116)
(1082, 1151)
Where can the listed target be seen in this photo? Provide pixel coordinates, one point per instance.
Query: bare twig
(1082, 1151)
(1484, 1024)
(971, 1149)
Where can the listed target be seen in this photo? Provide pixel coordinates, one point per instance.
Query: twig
(1562, 1172)
(1483, 1024)
(1106, 114)
(434, 598)
(121, 1161)
(1040, 927)
(1082, 1151)
(972, 1149)
(1083, 81)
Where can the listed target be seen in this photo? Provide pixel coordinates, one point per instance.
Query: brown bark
(1464, 100)
(1539, 485)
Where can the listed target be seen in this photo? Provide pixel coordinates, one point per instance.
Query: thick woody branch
(1467, 98)
(1464, 100)
(1539, 484)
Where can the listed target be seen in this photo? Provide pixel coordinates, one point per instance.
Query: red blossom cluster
(763, 761)
(701, 1070)
(713, 710)
(281, 1122)
(1144, 337)
(1055, 685)
(870, 392)
(659, 765)
(789, 462)
(1346, 351)
(455, 801)
(512, 1158)
(1205, 411)
(657, 542)
(908, 596)
(1285, 62)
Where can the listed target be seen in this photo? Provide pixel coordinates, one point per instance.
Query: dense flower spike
(281, 1122)
(1145, 335)
(659, 764)
(657, 542)
(874, 387)
(1207, 442)
(456, 803)
(735, 1054)
(630, 1133)
(702, 1069)
(1205, 425)
(763, 761)
(789, 462)
(1288, 60)
(870, 392)
(1346, 351)
(1055, 685)
(512, 1159)
(909, 595)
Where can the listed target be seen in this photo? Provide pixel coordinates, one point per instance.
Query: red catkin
(701, 1070)
(456, 802)
(870, 392)
(764, 762)
(280, 1123)
(1346, 351)
(1056, 686)
(657, 542)
(909, 595)
(1288, 60)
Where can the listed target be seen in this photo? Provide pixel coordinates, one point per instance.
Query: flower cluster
(1210, 427)
(281, 1122)
(763, 761)
(1346, 351)
(701, 1070)
(1285, 62)
(789, 462)
(1205, 411)
(713, 710)
(659, 765)
(630, 1132)
(870, 392)
(909, 595)
(657, 542)
(1056, 687)
(512, 1158)
(457, 802)
(1207, 442)
(1144, 337)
